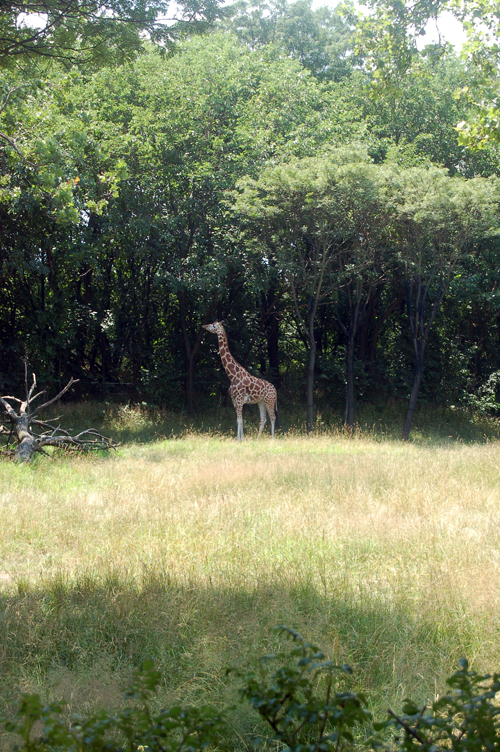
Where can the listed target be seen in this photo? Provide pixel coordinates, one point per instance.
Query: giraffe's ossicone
(245, 389)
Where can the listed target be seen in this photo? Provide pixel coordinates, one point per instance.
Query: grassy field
(187, 547)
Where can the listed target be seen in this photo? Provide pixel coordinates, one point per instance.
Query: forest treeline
(286, 171)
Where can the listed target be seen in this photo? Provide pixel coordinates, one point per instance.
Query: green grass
(188, 550)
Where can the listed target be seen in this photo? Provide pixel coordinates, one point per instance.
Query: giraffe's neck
(231, 366)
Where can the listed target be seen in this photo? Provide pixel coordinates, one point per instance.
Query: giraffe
(245, 389)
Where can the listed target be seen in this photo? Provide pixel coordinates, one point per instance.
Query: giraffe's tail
(277, 424)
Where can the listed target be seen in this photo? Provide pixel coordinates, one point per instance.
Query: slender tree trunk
(350, 397)
(273, 352)
(420, 333)
(311, 362)
(356, 314)
(306, 328)
(417, 380)
(379, 322)
(272, 336)
(190, 356)
(191, 362)
(192, 350)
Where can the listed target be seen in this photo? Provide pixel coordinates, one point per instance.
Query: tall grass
(188, 550)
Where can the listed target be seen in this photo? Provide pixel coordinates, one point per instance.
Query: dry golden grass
(386, 554)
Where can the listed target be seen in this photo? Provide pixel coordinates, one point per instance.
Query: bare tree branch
(54, 399)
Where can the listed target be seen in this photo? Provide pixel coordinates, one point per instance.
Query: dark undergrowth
(141, 423)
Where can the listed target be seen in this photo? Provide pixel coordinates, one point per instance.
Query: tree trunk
(191, 361)
(272, 336)
(379, 322)
(350, 398)
(356, 315)
(190, 356)
(420, 332)
(417, 380)
(191, 349)
(310, 387)
(27, 442)
(311, 361)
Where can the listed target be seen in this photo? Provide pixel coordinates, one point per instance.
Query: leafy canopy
(92, 31)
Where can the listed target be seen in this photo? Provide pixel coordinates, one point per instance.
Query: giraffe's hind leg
(263, 416)
(272, 415)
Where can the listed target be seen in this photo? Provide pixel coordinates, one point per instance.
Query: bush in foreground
(301, 696)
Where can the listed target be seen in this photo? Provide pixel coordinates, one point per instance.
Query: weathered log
(26, 427)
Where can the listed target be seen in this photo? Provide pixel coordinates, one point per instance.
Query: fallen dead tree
(33, 435)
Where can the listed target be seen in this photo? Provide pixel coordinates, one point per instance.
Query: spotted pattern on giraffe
(245, 389)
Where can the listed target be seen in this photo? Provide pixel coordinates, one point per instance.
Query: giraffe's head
(215, 328)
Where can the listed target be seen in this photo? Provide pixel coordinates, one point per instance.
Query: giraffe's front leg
(238, 406)
(263, 417)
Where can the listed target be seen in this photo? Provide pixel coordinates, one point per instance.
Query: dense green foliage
(88, 32)
(139, 201)
(304, 702)
(389, 39)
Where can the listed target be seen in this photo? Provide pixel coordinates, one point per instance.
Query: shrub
(304, 701)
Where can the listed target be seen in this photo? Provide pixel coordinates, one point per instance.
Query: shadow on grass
(137, 423)
(82, 640)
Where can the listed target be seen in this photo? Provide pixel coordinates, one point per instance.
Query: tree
(147, 153)
(388, 38)
(35, 34)
(359, 266)
(321, 40)
(90, 32)
(320, 218)
(439, 221)
(417, 123)
(283, 201)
